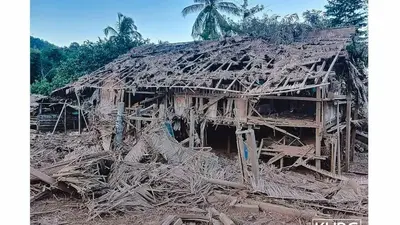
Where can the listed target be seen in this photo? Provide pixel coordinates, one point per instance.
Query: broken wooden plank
(170, 219)
(264, 122)
(192, 217)
(269, 207)
(323, 172)
(247, 208)
(225, 219)
(212, 102)
(178, 222)
(225, 183)
(49, 180)
(276, 158)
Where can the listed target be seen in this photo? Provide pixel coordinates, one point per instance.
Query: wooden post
(129, 110)
(59, 116)
(318, 129)
(79, 112)
(119, 125)
(138, 122)
(252, 148)
(65, 120)
(191, 129)
(38, 117)
(202, 129)
(242, 162)
(333, 157)
(353, 131)
(338, 146)
(348, 133)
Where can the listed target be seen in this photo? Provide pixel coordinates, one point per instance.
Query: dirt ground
(58, 210)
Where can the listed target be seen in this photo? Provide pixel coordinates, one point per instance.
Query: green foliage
(316, 18)
(352, 13)
(273, 28)
(347, 13)
(210, 23)
(250, 12)
(53, 67)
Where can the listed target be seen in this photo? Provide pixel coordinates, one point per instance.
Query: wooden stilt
(65, 120)
(129, 110)
(119, 125)
(202, 128)
(79, 112)
(138, 122)
(353, 132)
(37, 118)
(191, 129)
(338, 146)
(318, 129)
(281, 163)
(252, 148)
(348, 133)
(333, 157)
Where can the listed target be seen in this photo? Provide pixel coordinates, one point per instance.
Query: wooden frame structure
(220, 82)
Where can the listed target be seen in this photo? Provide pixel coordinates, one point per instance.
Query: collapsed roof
(254, 64)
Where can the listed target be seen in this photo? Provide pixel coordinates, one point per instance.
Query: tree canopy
(53, 67)
(210, 23)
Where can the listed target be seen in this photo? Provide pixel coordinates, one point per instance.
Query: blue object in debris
(246, 152)
(169, 128)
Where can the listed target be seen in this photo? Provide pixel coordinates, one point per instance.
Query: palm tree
(124, 29)
(210, 24)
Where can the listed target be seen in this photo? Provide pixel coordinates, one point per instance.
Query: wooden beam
(191, 129)
(65, 121)
(225, 183)
(338, 146)
(212, 102)
(303, 83)
(59, 116)
(230, 85)
(353, 131)
(119, 126)
(79, 112)
(49, 180)
(348, 133)
(331, 66)
(318, 130)
(272, 126)
(252, 148)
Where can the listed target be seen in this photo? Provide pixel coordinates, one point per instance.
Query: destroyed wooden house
(299, 99)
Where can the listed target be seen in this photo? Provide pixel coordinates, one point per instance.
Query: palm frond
(199, 22)
(228, 7)
(202, 1)
(110, 31)
(221, 22)
(192, 8)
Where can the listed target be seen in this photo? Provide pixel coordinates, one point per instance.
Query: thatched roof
(253, 63)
